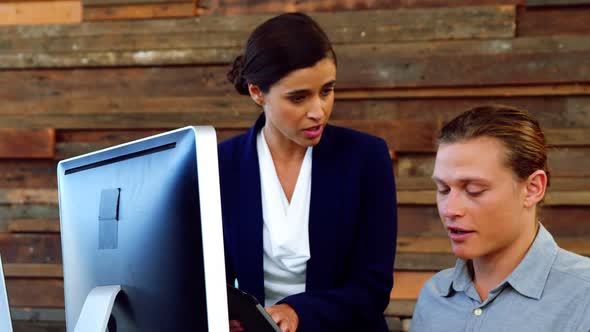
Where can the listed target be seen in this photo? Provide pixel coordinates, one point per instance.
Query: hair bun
(235, 75)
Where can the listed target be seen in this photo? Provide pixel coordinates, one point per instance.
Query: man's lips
(459, 234)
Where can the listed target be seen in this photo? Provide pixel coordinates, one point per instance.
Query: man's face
(479, 199)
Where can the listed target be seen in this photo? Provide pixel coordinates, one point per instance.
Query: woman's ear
(256, 94)
(536, 184)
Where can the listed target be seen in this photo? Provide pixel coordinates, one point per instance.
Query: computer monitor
(146, 215)
(5, 321)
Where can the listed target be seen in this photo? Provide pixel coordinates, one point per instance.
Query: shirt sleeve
(365, 295)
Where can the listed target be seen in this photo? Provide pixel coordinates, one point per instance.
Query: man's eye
(443, 191)
(474, 193)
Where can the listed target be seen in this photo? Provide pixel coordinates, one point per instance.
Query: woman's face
(480, 201)
(298, 106)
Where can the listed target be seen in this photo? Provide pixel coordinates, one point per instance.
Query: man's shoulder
(573, 266)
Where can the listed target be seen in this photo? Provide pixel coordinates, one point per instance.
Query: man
(491, 175)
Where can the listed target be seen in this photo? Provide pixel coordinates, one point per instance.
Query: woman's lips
(313, 132)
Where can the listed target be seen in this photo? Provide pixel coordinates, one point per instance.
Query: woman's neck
(282, 149)
(489, 271)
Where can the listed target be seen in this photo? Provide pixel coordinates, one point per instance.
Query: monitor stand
(97, 309)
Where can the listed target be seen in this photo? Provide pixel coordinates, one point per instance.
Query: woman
(309, 209)
(510, 274)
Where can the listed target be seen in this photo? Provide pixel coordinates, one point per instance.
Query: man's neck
(489, 271)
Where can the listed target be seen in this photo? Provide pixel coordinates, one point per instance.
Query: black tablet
(245, 308)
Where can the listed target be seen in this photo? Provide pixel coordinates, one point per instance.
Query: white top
(285, 231)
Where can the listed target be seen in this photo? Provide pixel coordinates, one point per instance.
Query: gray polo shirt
(548, 291)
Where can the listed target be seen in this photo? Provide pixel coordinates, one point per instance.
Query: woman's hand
(285, 317)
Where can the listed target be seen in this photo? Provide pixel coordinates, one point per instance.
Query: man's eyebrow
(463, 180)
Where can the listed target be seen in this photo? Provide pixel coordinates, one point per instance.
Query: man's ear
(256, 94)
(535, 187)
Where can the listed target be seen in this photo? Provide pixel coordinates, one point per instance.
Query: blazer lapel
(326, 181)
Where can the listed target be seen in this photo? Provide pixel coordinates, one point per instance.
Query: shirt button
(477, 312)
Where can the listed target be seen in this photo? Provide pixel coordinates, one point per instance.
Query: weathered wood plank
(11, 212)
(407, 285)
(233, 7)
(138, 11)
(404, 308)
(38, 326)
(541, 3)
(97, 111)
(106, 3)
(33, 173)
(34, 226)
(40, 12)
(27, 143)
(33, 292)
(33, 271)
(38, 314)
(553, 21)
(577, 89)
(30, 249)
(187, 81)
(409, 261)
(28, 196)
(437, 64)
(382, 26)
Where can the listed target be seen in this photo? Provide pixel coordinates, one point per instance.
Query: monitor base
(97, 309)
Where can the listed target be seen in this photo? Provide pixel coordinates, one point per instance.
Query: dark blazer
(352, 228)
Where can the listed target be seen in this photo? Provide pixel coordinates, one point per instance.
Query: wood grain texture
(359, 27)
(40, 12)
(138, 11)
(33, 271)
(244, 7)
(27, 143)
(32, 292)
(30, 249)
(407, 285)
(34, 226)
(28, 196)
(553, 21)
(27, 173)
(434, 64)
(542, 3)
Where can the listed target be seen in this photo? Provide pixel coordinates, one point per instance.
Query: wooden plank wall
(127, 69)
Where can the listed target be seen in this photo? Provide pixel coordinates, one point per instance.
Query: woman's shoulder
(233, 145)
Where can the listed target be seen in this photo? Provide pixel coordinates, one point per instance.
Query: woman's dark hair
(520, 133)
(277, 47)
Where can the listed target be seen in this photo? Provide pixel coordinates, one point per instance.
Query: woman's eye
(443, 191)
(296, 98)
(327, 92)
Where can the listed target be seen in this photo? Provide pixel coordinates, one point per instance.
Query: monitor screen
(146, 215)
(5, 321)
